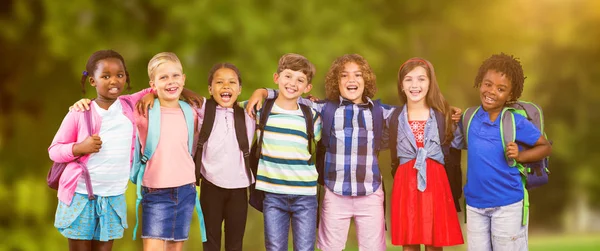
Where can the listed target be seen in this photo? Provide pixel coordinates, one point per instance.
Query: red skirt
(427, 217)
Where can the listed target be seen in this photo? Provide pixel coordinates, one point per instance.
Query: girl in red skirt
(422, 207)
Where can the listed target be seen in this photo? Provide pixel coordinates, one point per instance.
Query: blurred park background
(45, 45)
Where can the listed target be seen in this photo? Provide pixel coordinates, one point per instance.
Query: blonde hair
(159, 59)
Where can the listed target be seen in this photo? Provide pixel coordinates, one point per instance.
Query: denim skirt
(167, 212)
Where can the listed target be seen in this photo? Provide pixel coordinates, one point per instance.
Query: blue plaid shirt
(351, 165)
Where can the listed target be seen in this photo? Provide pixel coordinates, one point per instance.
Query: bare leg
(174, 245)
(80, 245)
(102, 245)
(153, 245)
(411, 248)
(432, 248)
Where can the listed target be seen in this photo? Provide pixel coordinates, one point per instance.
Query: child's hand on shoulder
(192, 98)
(81, 105)
(512, 151)
(456, 114)
(312, 98)
(91, 144)
(255, 101)
(195, 101)
(145, 103)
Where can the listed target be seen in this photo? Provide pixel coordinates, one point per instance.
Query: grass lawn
(582, 242)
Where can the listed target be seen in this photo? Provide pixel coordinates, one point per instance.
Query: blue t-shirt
(491, 182)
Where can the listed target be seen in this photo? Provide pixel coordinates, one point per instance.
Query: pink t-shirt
(171, 164)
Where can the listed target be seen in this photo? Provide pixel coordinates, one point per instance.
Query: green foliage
(45, 45)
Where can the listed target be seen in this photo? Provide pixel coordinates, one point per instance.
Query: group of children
(170, 154)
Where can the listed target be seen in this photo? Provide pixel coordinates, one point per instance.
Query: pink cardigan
(74, 130)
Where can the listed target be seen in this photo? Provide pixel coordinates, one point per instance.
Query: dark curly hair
(332, 79)
(92, 65)
(507, 64)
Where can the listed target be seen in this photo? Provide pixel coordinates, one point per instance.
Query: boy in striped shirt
(286, 172)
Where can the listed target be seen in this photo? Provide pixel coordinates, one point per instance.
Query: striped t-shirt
(285, 165)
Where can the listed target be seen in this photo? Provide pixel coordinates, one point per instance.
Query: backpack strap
(529, 110)
(239, 118)
(507, 131)
(262, 122)
(188, 113)
(86, 174)
(327, 116)
(241, 134)
(508, 134)
(152, 138)
(377, 113)
(466, 119)
(153, 134)
(210, 108)
(394, 139)
(141, 158)
(452, 160)
(441, 125)
(256, 197)
(308, 118)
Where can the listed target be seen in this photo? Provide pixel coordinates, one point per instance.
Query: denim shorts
(103, 219)
(497, 228)
(167, 212)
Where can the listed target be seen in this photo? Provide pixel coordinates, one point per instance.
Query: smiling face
(352, 84)
(225, 87)
(494, 91)
(168, 81)
(415, 85)
(109, 78)
(292, 84)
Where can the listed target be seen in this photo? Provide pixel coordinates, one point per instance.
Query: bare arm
(540, 150)
(256, 100)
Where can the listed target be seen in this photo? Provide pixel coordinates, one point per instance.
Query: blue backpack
(141, 158)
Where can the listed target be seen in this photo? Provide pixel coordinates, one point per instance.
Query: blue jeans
(496, 228)
(279, 210)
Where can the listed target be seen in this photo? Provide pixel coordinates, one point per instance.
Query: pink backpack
(58, 168)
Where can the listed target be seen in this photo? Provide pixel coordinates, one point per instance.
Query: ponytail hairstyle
(92, 65)
(434, 97)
